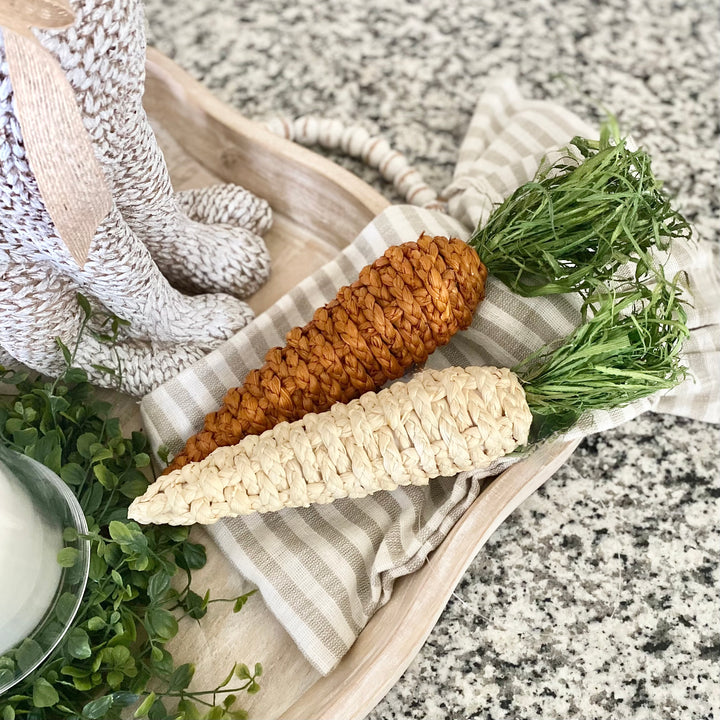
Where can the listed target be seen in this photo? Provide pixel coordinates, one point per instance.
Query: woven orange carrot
(411, 300)
(569, 230)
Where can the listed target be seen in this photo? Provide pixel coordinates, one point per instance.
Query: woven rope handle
(355, 141)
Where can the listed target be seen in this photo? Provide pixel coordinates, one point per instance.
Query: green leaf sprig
(115, 654)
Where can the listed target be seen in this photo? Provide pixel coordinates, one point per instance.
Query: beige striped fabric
(325, 570)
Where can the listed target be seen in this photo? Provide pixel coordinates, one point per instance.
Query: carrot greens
(628, 349)
(580, 220)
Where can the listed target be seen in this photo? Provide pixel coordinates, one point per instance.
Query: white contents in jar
(29, 571)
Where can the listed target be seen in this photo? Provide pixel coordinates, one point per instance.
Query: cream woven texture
(152, 244)
(226, 204)
(441, 422)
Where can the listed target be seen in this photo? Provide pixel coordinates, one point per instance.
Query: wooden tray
(319, 208)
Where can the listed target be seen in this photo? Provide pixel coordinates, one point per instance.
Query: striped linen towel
(323, 571)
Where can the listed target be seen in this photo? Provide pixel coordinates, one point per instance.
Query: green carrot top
(580, 219)
(629, 349)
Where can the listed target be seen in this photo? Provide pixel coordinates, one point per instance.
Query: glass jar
(39, 597)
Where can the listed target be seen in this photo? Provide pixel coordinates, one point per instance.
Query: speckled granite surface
(600, 596)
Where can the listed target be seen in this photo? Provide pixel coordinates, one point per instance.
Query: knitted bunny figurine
(153, 246)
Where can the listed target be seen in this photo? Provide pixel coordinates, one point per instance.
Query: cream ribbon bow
(59, 151)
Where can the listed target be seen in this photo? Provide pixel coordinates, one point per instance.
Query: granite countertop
(600, 596)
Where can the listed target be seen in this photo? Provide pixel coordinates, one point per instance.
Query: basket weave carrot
(438, 423)
(569, 229)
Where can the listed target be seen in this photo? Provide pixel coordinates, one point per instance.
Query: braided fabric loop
(441, 422)
(403, 306)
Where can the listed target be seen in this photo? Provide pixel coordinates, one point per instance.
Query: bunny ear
(58, 148)
(21, 15)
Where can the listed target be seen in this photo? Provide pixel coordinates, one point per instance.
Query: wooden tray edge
(320, 195)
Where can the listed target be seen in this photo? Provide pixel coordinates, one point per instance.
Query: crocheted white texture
(153, 242)
(440, 422)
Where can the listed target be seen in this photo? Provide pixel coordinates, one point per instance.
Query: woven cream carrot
(438, 423)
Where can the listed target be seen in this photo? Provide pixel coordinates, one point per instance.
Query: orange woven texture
(409, 302)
